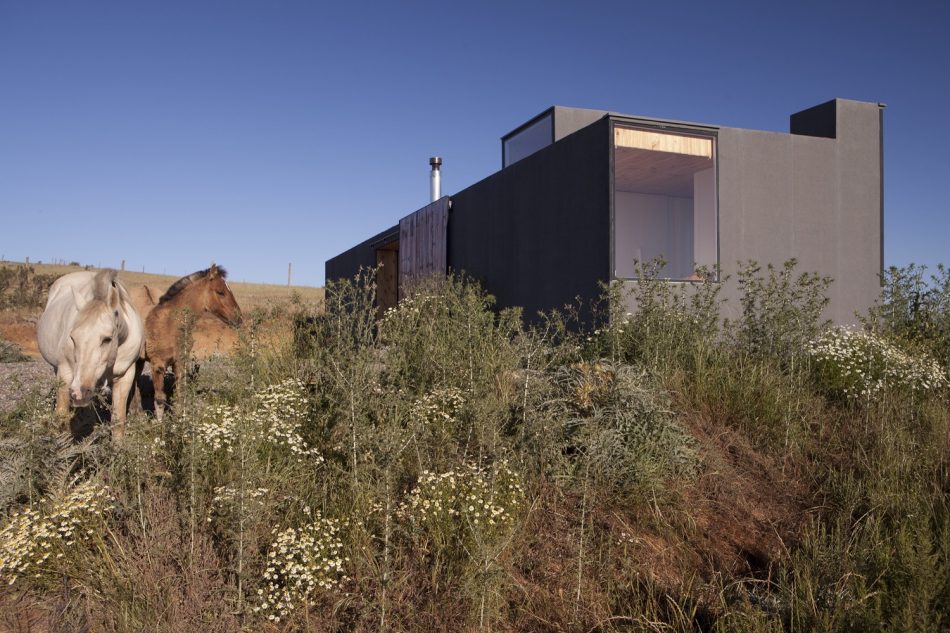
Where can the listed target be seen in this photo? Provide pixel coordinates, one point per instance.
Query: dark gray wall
(811, 198)
(820, 120)
(537, 233)
(564, 122)
(860, 243)
(347, 263)
(570, 120)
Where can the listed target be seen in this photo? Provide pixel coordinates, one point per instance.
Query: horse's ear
(213, 271)
(114, 299)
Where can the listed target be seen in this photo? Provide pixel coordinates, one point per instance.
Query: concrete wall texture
(815, 199)
(537, 233)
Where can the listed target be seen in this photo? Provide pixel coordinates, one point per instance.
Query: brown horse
(200, 292)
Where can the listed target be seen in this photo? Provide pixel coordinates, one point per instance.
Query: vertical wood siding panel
(422, 241)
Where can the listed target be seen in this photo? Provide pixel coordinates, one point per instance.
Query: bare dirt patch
(20, 327)
(747, 509)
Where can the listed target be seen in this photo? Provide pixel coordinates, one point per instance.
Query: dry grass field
(19, 326)
(248, 295)
(449, 468)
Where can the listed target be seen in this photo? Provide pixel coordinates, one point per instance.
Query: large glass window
(664, 202)
(528, 140)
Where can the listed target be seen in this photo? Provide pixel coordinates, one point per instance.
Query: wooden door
(387, 279)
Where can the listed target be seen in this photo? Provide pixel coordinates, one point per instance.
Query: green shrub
(671, 325)
(914, 310)
(619, 428)
(781, 311)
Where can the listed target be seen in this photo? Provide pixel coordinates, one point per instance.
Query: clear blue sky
(170, 134)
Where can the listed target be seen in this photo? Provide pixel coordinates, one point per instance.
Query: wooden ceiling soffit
(663, 142)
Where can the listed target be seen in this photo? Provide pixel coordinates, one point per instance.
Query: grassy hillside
(449, 469)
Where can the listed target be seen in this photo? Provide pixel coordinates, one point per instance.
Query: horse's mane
(175, 289)
(102, 283)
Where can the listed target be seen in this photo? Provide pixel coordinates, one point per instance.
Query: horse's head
(218, 299)
(94, 339)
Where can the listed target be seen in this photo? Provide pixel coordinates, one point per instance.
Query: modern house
(581, 194)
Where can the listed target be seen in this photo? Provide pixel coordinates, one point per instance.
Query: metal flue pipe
(435, 181)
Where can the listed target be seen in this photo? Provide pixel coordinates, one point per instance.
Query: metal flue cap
(436, 162)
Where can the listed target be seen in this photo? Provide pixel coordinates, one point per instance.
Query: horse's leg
(120, 396)
(173, 383)
(136, 404)
(64, 376)
(158, 382)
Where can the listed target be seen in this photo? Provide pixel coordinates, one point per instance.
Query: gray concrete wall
(860, 252)
(815, 199)
(570, 120)
(537, 233)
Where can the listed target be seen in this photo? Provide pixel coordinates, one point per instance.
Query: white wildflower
(861, 364)
(439, 406)
(27, 541)
(301, 560)
(450, 505)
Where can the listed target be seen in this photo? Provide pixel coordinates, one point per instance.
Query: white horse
(92, 336)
